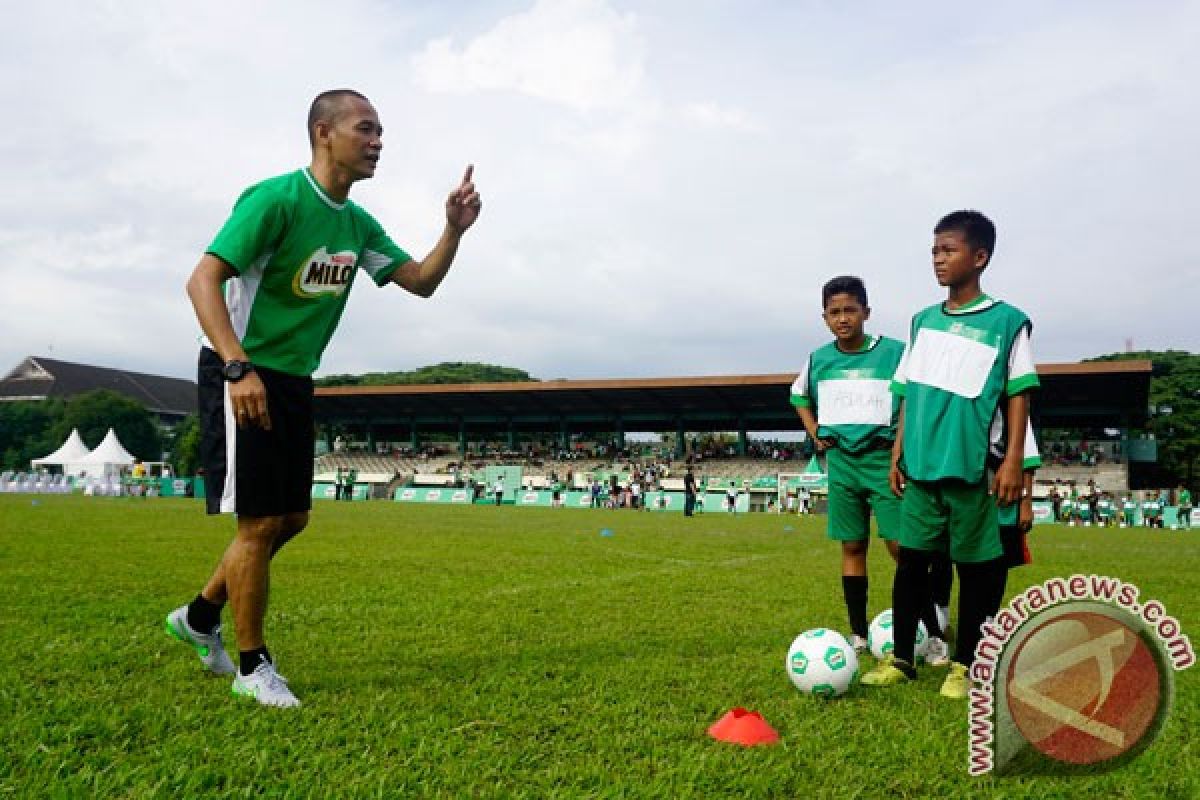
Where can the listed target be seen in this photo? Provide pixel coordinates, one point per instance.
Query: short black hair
(844, 284)
(976, 229)
(326, 106)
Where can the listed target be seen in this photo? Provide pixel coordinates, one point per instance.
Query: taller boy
(967, 371)
(286, 259)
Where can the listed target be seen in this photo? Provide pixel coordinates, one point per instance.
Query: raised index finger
(467, 174)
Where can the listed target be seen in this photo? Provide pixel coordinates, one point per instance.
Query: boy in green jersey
(842, 396)
(1106, 510)
(1152, 511)
(1068, 510)
(1128, 511)
(1183, 501)
(967, 359)
(1083, 510)
(268, 294)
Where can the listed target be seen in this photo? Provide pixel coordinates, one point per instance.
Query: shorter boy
(842, 396)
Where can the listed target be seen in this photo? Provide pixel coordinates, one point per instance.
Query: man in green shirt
(268, 294)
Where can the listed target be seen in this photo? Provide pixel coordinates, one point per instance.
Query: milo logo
(324, 273)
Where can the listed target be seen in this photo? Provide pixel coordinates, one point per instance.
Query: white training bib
(854, 402)
(951, 363)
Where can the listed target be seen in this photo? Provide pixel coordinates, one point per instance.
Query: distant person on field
(268, 294)
(1129, 509)
(1151, 510)
(689, 493)
(1183, 499)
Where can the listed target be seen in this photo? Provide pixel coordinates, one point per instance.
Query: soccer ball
(880, 637)
(821, 662)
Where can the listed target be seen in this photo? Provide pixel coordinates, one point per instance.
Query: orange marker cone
(743, 727)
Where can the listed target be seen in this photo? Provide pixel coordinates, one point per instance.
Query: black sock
(941, 578)
(203, 616)
(249, 660)
(910, 594)
(932, 626)
(976, 593)
(854, 589)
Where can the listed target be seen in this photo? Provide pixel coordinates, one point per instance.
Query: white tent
(108, 458)
(69, 456)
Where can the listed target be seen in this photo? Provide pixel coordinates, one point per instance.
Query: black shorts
(272, 471)
(1016, 547)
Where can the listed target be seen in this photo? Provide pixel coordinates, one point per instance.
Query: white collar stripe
(316, 187)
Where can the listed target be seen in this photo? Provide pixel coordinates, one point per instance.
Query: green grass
(482, 652)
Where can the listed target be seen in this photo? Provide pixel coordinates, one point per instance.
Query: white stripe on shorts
(229, 492)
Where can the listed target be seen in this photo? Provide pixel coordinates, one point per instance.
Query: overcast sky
(666, 184)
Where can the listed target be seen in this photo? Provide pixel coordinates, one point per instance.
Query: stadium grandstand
(39, 378)
(447, 442)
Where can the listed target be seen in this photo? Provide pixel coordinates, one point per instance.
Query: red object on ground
(743, 727)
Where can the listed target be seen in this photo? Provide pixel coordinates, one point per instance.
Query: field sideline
(499, 652)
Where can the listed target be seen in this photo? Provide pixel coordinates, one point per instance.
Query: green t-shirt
(1105, 508)
(1128, 506)
(1151, 508)
(957, 369)
(849, 394)
(296, 251)
(1185, 498)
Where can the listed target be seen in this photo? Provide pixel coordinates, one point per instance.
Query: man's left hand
(463, 204)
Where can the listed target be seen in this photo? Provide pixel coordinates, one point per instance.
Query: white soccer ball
(881, 637)
(821, 662)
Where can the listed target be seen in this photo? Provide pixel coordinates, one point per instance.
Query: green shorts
(951, 517)
(858, 485)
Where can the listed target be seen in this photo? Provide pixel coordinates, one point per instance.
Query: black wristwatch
(234, 371)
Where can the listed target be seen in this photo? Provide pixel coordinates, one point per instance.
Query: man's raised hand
(463, 204)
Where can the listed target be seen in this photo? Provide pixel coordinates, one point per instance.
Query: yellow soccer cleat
(956, 684)
(889, 672)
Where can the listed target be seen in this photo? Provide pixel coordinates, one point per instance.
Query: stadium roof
(1092, 395)
(38, 378)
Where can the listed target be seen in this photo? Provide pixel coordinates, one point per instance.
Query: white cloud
(578, 53)
(665, 191)
(712, 115)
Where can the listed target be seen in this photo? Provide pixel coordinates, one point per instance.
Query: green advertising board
(328, 491)
(420, 494)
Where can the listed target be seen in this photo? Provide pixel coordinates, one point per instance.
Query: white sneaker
(208, 646)
(266, 686)
(936, 653)
(859, 644)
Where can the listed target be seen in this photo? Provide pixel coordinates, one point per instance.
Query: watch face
(234, 370)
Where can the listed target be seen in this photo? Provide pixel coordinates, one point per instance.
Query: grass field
(482, 652)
